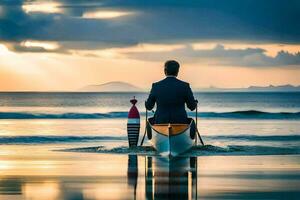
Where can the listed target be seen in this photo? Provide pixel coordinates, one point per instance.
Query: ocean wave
(207, 150)
(270, 138)
(251, 114)
(138, 150)
(248, 114)
(47, 139)
(243, 150)
(27, 115)
(54, 139)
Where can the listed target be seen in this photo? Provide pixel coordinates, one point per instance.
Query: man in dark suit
(170, 96)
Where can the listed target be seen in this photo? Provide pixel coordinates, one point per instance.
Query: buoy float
(133, 124)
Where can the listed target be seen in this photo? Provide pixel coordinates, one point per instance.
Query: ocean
(267, 119)
(68, 145)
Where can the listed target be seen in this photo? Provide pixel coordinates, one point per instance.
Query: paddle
(197, 125)
(145, 128)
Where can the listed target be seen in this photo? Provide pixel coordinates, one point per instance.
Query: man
(170, 96)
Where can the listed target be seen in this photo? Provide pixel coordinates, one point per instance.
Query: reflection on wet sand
(164, 179)
(137, 177)
(10, 187)
(38, 188)
(171, 178)
(132, 173)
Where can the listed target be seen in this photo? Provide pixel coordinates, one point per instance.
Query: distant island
(114, 86)
(270, 88)
(275, 88)
(118, 86)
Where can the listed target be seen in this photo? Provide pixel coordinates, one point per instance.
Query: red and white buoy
(133, 124)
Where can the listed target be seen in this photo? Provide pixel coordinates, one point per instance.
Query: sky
(65, 45)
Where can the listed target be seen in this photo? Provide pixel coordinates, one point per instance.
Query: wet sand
(38, 172)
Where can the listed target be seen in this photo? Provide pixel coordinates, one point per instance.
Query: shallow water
(233, 137)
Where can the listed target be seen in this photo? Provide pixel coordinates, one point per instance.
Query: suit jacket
(170, 96)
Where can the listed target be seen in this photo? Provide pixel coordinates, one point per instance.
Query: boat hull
(172, 145)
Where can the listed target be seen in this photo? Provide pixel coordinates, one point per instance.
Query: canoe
(171, 139)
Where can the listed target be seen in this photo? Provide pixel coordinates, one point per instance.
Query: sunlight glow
(204, 46)
(151, 48)
(45, 45)
(107, 54)
(57, 71)
(104, 191)
(4, 165)
(42, 191)
(44, 7)
(104, 14)
(3, 50)
(44, 164)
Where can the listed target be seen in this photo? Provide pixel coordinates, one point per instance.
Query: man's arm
(190, 100)
(150, 102)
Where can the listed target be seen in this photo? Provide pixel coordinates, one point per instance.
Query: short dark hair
(171, 68)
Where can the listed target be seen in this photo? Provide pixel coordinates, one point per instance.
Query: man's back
(171, 95)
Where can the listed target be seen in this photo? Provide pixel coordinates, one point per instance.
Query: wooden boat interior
(170, 129)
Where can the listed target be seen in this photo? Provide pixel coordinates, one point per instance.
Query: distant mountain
(118, 86)
(270, 88)
(115, 86)
(274, 88)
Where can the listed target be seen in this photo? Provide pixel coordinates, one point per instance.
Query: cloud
(219, 55)
(36, 47)
(156, 21)
(286, 58)
(104, 14)
(109, 24)
(42, 7)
